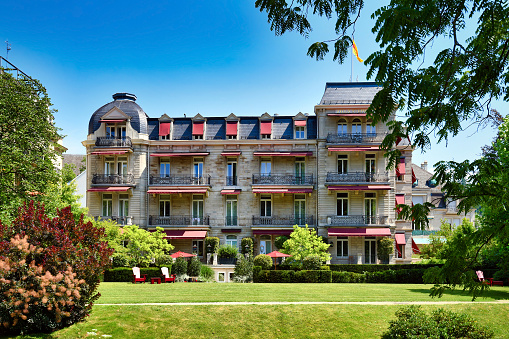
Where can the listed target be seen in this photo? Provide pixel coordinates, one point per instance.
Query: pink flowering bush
(49, 270)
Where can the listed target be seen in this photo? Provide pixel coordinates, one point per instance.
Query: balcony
(231, 221)
(336, 178)
(357, 220)
(231, 181)
(178, 220)
(277, 220)
(113, 142)
(355, 138)
(113, 179)
(119, 220)
(282, 179)
(179, 180)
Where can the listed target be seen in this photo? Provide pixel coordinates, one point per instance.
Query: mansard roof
(349, 93)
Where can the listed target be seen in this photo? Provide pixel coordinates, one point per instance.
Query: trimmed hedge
(286, 276)
(348, 277)
(404, 276)
(375, 268)
(125, 274)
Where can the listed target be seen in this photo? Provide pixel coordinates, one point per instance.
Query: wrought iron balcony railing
(178, 220)
(231, 221)
(113, 179)
(114, 142)
(231, 181)
(355, 138)
(125, 220)
(288, 220)
(282, 179)
(357, 220)
(179, 180)
(333, 177)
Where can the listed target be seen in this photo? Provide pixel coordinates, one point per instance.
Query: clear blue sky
(181, 57)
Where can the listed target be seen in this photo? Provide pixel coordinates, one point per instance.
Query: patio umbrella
(276, 254)
(182, 254)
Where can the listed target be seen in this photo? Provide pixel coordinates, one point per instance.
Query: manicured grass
(260, 321)
(117, 293)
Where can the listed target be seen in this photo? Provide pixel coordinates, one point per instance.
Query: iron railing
(114, 142)
(423, 232)
(231, 221)
(282, 179)
(357, 220)
(178, 220)
(355, 138)
(333, 177)
(124, 220)
(288, 220)
(112, 179)
(231, 181)
(177, 180)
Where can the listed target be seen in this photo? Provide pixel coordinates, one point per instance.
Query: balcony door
(107, 203)
(369, 250)
(197, 210)
(265, 244)
(300, 209)
(342, 127)
(198, 171)
(370, 167)
(109, 166)
(342, 164)
(342, 204)
(356, 126)
(266, 209)
(300, 170)
(231, 210)
(231, 172)
(122, 166)
(164, 169)
(265, 167)
(123, 206)
(164, 206)
(370, 208)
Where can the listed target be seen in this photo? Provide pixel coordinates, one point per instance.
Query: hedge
(404, 276)
(347, 277)
(125, 274)
(375, 268)
(407, 276)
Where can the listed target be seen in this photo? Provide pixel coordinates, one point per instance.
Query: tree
(29, 142)
(304, 242)
(459, 85)
(143, 246)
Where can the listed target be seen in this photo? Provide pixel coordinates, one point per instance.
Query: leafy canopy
(304, 242)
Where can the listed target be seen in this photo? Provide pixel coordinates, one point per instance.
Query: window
(342, 204)
(164, 205)
(300, 171)
(370, 208)
(231, 172)
(109, 166)
(265, 205)
(265, 166)
(197, 209)
(231, 210)
(342, 163)
(107, 205)
(300, 209)
(115, 132)
(342, 247)
(164, 169)
(232, 137)
(369, 250)
(370, 164)
(418, 199)
(221, 277)
(122, 166)
(266, 136)
(299, 132)
(400, 251)
(165, 137)
(370, 129)
(198, 247)
(231, 240)
(110, 131)
(198, 171)
(342, 127)
(265, 244)
(356, 126)
(198, 137)
(123, 205)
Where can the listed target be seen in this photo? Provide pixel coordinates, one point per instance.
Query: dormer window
(300, 129)
(198, 128)
(115, 131)
(266, 129)
(231, 130)
(165, 130)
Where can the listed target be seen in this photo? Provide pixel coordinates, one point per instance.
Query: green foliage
(194, 267)
(119, 260)
(164, 260)
(280, 241)
(304, 242)
(312, 262)
(404, 276)
(179, 268)
(384, 248)
(227, 251)
(214, 244)
(413, 322)
(125, 274)
(49, 270)
(244, 269)
(263, 260)
(246, 246)
(434, 249)
(347, 277)
(206, 273)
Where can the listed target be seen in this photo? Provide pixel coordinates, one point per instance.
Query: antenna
(8, 45)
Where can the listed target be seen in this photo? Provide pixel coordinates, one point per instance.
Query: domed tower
(116, 159)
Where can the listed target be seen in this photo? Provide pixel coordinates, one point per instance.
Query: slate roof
(126, 103)
(423, 176)
(349, 93)
(74, 159)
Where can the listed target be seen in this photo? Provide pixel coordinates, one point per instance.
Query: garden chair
(166, 277)
(137, 277)
(488, 281)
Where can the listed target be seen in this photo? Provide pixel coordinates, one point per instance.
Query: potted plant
(227, 255)
(385, 247)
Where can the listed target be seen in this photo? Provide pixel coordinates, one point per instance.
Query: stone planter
(227, 261)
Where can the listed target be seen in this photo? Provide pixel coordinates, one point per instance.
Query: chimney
(424, 165)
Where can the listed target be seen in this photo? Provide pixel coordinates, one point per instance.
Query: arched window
(356, 126)
(342, 127)
(370, 130)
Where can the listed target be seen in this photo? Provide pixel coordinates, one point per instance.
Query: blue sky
(181, 57)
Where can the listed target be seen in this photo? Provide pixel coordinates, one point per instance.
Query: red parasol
(276, 254)
(182, 254)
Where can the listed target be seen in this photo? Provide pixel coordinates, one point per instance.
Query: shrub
(256, 272)
(214, 244)
(384, 248)
(119, 260)
(179, 266)
(49, 270)
(194, 267)
(264, 261)
(280, 241)
(413, 322)
(313, 276)
(227, 252)
(206, 273)
(311, 262)
(347, 277)
(164, 261)
(246, 246)
(243, 269)
(125, 274)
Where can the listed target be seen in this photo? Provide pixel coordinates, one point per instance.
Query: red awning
(198, 128)
(400, 239)
(283, 190)
(109, 189)
(414, 178)
(231, 128)
(354, 149)
(400, 169)
(274, 232)
(231, 154)
(359, 232)
(360, 188)
(164, 128)
(177, 191)
(230, 192)
(300, 122)
(109, 152)
(346, 114)
(400, 199)
(112, 120)
(180, 154)
(282, 154)
(266, 127)
(415, 248)
(177, 234)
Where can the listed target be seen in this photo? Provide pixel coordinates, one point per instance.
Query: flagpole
(351, 63)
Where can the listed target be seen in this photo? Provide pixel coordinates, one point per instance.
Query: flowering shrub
(49, 270)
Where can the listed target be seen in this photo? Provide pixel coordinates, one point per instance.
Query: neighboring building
(252, 176)
(81, 187)
(76, 160)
